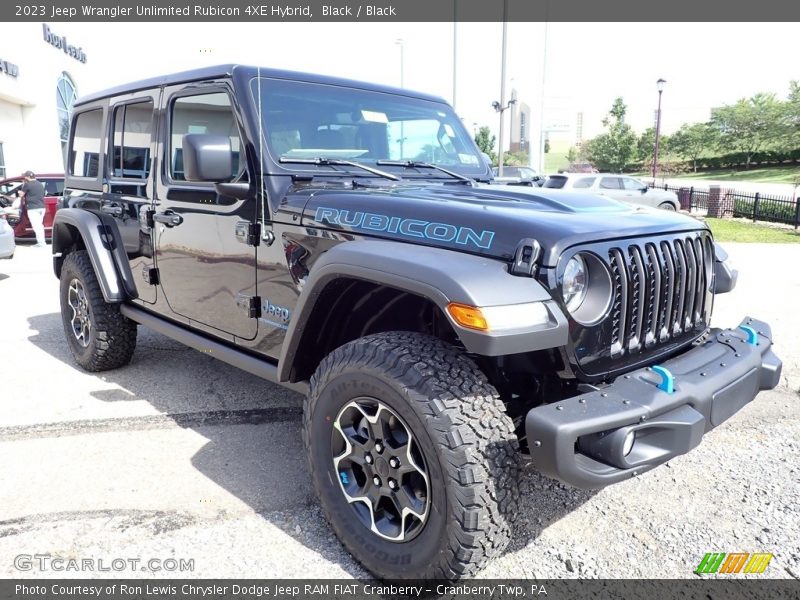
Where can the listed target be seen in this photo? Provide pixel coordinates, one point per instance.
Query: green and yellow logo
(735, 562)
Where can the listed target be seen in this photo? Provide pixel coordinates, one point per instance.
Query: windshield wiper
(327, 162)
(413, 164)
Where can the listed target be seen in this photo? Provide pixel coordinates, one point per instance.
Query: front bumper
(581, 440)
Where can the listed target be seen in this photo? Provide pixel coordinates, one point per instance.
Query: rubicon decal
(734, 562)
(416, 228)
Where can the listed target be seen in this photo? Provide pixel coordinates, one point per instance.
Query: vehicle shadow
(254, 448)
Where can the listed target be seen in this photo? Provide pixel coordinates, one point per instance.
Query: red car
(18, 219)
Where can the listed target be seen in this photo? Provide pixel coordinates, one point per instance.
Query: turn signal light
(468, 316)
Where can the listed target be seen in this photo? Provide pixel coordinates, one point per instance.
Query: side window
(133, 127)
(205, 113)
(584, 182)
(632, 184)
(86, 142)
(610, 183)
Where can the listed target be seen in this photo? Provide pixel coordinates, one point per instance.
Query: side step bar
(257, 366)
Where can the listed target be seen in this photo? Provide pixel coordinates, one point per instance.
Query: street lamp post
(399, 42)
(502, 106)
(660, 85)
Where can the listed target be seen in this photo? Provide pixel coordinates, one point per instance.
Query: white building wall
(29, 127)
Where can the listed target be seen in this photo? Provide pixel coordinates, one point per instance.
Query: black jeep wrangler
(345, 240)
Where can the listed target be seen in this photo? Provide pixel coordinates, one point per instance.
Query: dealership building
(42, 70)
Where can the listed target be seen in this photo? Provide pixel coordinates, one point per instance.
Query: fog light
(627, 446)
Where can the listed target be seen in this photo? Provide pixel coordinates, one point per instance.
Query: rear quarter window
(585, 182)
(555, 182)
(87, 132)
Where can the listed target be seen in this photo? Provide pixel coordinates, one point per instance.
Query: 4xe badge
(272, 314)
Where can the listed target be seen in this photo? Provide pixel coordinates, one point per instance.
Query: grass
(727, 230)
(764, 175)
(557, 157)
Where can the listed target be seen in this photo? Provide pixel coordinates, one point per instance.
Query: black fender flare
(103, 243)
(441, 276)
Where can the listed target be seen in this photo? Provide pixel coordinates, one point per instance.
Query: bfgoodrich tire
(99, 336)
(412, 455)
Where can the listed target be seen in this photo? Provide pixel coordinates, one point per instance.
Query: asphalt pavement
(196, 465)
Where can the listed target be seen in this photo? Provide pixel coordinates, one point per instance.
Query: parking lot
(182, 457)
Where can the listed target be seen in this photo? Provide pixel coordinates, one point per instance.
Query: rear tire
(430, 401)
(667, 206)
(99, 336)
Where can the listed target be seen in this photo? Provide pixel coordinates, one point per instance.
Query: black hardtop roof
(220, 71)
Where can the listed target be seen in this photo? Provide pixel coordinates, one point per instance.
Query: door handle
(168, 218)
(114, 211)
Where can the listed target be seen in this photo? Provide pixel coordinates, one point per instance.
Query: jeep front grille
(660, 290)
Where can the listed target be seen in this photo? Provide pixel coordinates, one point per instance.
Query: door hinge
(248, 233)
(150, 275)
(250, 305)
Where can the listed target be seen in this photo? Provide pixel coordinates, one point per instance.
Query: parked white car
(7, 244)
(618, 187)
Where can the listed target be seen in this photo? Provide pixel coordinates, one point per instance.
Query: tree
(750, 125)
(646, 146)
(690, 141)
(546, 145)
(611, 151)
(572, 155)
(792, 115)
(485, 141)
(516, 159)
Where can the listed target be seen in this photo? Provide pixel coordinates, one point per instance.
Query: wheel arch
(405, 278)
(78, 229)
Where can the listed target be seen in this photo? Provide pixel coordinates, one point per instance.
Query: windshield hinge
(528, 251)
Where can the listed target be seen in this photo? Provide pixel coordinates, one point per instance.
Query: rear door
(207, 273)
(612, 187)
(129, 190)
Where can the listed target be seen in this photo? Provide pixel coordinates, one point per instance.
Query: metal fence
(757, 206)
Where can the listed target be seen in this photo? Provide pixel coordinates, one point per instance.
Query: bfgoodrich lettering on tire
(99, 336)
(412, 455)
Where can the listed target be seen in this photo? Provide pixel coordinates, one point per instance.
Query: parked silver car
(7, 244)
(618, 187)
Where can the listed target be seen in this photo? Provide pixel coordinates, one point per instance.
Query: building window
(2, 162)
(65, 99)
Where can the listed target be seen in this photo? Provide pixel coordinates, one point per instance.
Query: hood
(489, 220)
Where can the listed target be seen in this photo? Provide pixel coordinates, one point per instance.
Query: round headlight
(586, 288)
(574, 284)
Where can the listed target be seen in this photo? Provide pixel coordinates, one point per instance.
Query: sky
(586, 65)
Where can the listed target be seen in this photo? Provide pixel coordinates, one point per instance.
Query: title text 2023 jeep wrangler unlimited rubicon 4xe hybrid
(344, 240)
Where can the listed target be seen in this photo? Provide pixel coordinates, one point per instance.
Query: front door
(206, 272)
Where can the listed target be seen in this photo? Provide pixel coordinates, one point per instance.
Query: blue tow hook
(667, 379)
(752, 336)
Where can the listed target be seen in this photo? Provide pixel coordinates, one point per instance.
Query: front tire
(99, 336)
(667, 206)
(412, 455)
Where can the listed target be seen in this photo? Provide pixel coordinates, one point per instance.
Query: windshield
(310, 121)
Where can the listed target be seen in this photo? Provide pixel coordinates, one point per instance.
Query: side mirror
(644, 190)
(207, 157)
